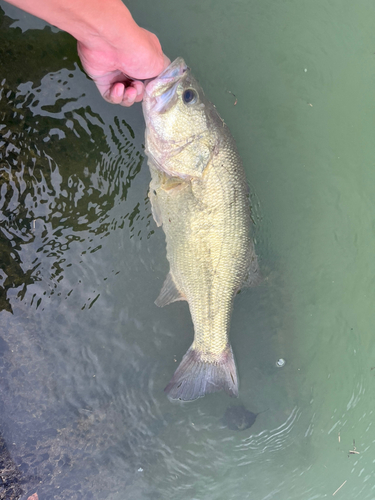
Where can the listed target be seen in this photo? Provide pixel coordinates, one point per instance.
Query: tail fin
(194, 377)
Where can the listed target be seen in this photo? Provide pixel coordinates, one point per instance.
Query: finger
(140, 88)
(115, 93)
(166, 62)
(139, 98)
(129, 97)
(133, 93)
(119, 93)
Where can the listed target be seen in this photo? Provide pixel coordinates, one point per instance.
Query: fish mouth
(161, 90)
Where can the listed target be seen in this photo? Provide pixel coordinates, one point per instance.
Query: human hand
(115, 52)
(118, 68)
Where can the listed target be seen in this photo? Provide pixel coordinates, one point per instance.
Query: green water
(85, 354)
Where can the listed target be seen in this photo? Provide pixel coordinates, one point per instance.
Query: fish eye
(189, 96)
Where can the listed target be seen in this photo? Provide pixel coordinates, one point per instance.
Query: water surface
(85, 354)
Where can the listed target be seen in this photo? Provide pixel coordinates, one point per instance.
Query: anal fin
(169, 293)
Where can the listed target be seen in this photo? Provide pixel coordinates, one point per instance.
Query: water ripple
(271, 440)
(63, 173)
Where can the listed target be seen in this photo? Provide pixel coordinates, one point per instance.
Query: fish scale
(199, 195)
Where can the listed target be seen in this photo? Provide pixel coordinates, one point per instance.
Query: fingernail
(118, 90)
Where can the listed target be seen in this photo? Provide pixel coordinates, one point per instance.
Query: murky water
(85, 354)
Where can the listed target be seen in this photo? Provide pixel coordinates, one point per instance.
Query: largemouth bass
(199, 195)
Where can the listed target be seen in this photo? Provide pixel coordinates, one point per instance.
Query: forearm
(115, 52)
(89, 21)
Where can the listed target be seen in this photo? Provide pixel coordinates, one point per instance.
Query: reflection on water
(51, 207)
(85, 354)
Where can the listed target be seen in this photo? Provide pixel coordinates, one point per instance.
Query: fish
(200, 197)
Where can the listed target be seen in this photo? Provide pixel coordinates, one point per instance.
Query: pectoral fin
(155, 208)
(173, 185)
(169, 293)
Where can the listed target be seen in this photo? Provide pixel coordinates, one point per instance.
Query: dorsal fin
(169, 293)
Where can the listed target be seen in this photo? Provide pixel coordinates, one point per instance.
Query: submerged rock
(10, 476)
